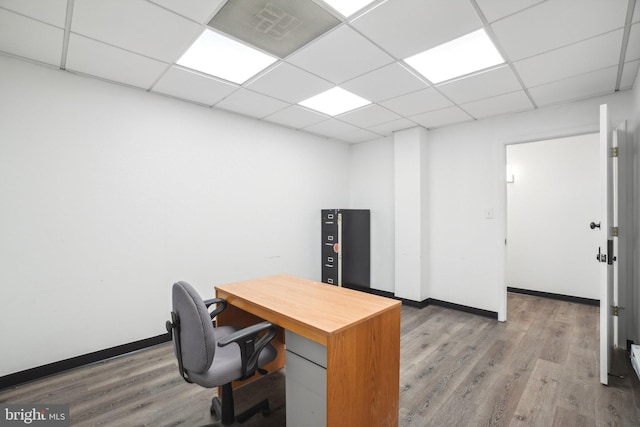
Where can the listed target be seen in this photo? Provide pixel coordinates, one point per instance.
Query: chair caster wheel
(216, 408)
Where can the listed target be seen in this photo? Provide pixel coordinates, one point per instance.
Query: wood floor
(540, 368)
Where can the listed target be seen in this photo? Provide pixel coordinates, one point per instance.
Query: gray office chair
(215, 356)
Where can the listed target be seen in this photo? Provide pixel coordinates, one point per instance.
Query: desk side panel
(363, 373)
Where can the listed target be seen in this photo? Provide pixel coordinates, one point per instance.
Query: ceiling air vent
(279, 27)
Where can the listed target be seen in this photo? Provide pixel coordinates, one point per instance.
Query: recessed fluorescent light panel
(459, 57)
(348, 7)
(279, 27)
(220, 56)
(335, 101)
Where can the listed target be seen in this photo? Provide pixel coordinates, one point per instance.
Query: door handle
(593, 225)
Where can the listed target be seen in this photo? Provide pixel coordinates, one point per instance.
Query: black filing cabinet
(346, 247)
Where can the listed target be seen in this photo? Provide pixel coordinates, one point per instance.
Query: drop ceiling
(555, 51)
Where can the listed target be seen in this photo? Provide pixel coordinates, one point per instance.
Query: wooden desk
(361, 334)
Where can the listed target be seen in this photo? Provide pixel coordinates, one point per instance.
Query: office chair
(215, 356)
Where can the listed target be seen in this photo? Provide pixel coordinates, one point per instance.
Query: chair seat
(227, 363)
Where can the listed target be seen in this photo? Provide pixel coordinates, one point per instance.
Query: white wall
(411, 205)
(465, 179)
(552, 200)
(467, 164)
(109, 195)
(372, 188)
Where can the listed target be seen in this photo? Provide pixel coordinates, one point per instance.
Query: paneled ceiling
(556, 51)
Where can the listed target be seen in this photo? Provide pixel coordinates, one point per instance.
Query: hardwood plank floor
(540, 368)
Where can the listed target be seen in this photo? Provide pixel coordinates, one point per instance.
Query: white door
(606, 256)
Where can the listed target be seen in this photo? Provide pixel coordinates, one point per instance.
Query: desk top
(313, 309)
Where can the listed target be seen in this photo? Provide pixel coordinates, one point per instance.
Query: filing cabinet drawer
(330, 276)
(330, 260)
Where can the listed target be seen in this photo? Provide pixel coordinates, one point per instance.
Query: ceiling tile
(289, 83)
(520, 35)
(296, 117)
(406, 27)
(633, 48)
(388, 128)
(387, 82)
(251, 104)
(629, 73)
(417, 102)
(507, 103)
(135, 25)
(108, 62)
(589, 55)
(333, 57)
(496, 9)
(331, 128)
(368, 116)
(30, 39)
(192, 86)
(443, 117)
(360, 135)
(199, 10)
(483, 85)
(578, 87)
(52, 12)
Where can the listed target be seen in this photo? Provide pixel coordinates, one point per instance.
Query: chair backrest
(197, 337)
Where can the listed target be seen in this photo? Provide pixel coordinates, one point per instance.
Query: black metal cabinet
(346, 247)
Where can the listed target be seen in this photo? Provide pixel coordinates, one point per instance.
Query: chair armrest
(222, 304)
(250, 347)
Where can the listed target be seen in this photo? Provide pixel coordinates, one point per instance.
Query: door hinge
(616, 309)
(614, 231)
(614, 151)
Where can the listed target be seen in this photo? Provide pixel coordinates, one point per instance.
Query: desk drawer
(306, 392)
(304, 347)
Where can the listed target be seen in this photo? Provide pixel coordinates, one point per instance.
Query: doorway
(552, 198)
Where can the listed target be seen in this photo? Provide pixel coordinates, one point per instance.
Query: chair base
(224, 409)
